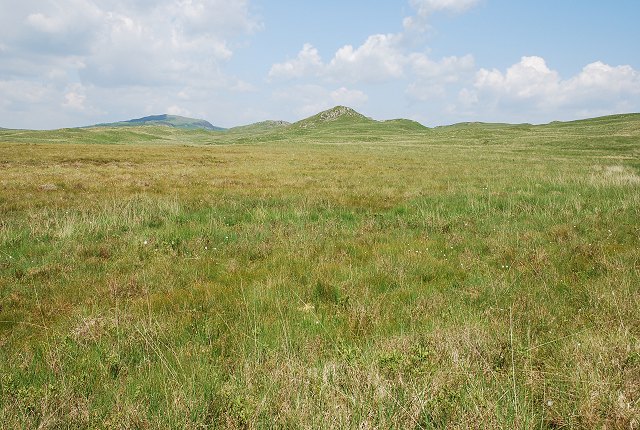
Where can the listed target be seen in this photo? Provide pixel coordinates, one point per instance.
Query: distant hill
(174, 121)
(340, 114)
(342, 124)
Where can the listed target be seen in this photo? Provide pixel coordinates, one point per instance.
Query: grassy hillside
(259, 127)
(348, 275)
(343, 124)
(113, 135)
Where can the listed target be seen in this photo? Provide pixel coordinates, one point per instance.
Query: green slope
(615, 132)
(259, 127)
(112, 135)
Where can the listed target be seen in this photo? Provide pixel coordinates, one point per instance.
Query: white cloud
(448, 68)
(344, 96)
(18, 92)
(529, 89)
(425, 8)
(379, 58)
(382, 57)
(177, 110)
(599, 79)
(172, 38)
(432, 78)
(120, 46)
(75, 98)
(166, 46)
(44, 23)
(528, 79)
(307, 63)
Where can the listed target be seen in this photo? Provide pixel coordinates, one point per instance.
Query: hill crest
(330, 115)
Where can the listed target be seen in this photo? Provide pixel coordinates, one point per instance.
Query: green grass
(363, 275)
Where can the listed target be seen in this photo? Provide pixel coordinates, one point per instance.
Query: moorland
(337, 272)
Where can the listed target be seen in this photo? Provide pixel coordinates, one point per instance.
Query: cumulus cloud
(381, 57)
(170, 42)
(432, 78)
(603, 81)
(116, 45)
(306, 63)
(531, 78)
(537, 91)
(344, 96)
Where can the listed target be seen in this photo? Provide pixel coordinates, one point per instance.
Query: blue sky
(67, 63)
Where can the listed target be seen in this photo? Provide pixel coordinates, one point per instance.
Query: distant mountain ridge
(343, 119)
(337, 118)
(336, 121)
(175, 121)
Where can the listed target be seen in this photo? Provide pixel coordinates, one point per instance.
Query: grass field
(347, 275)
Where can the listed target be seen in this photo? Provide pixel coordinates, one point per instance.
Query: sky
(69, 63)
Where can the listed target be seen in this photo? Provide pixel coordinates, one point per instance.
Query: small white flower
(145, 242)
(549, 403)
(206, 247)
